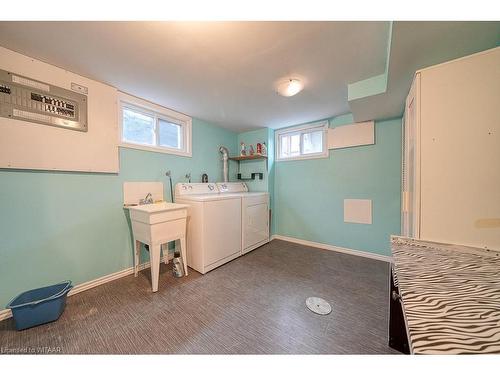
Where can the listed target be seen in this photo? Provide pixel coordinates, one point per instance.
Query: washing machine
(254, 214)
(213, 232)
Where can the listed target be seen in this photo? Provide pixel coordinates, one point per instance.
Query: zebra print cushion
(450, 296)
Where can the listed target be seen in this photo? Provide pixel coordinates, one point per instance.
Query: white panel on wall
(358, 134)
(27, 145)
(358, 211)
(133, 192)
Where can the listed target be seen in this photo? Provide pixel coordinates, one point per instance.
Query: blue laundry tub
(39, 306)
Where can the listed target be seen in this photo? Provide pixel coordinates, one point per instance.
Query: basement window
(302, 142)
(150, 127)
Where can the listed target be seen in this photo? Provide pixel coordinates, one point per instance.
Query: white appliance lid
(232, 187)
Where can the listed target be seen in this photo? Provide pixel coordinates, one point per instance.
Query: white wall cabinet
(451, 153)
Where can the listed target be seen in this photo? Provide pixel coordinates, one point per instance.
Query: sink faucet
(147, 200)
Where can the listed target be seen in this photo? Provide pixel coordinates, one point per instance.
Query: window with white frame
(148, 126)
(302, 142)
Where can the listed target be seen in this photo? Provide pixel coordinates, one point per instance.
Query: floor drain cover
(318, 305)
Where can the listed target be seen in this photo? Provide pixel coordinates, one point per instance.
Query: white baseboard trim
(344, 250)
(6, 313)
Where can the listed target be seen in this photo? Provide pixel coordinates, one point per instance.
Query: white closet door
(410, 223)
(460, 151)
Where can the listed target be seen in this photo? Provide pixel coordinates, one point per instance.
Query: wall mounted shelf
(248, 157)
(260, 175)
(253, 175)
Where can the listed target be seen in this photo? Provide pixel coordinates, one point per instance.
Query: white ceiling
(221, 72)
(224, 72)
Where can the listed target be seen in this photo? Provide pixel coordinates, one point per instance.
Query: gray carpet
(252, 305)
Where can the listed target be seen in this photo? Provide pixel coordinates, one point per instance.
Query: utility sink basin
(157, 212)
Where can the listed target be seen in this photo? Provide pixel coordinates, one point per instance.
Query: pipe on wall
(225, 168)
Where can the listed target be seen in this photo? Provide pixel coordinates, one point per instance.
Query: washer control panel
(195, 188)
(232, 187)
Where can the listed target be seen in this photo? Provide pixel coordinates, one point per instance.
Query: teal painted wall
(57, 226)
(309, 194)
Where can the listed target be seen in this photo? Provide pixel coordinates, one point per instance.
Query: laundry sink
(156, 224)
(157, 212)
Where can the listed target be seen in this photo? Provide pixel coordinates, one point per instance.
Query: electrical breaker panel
(26, 99)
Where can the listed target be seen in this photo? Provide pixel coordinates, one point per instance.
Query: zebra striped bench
(449, 296)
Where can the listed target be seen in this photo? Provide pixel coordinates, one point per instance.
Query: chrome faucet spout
(147, 200)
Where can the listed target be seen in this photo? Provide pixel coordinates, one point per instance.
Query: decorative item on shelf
(251, 151)
(204, 178)
(259, 149)
(264, 149)
(243, 149)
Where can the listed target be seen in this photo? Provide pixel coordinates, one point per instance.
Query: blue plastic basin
(39, 306)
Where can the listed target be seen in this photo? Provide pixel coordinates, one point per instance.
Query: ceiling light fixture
(290, 87)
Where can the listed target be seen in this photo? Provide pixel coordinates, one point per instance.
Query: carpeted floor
(252, 305)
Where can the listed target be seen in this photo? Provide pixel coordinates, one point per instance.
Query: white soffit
(358, 134)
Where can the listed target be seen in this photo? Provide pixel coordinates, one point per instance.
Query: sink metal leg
(154, 254)
(183, 254)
